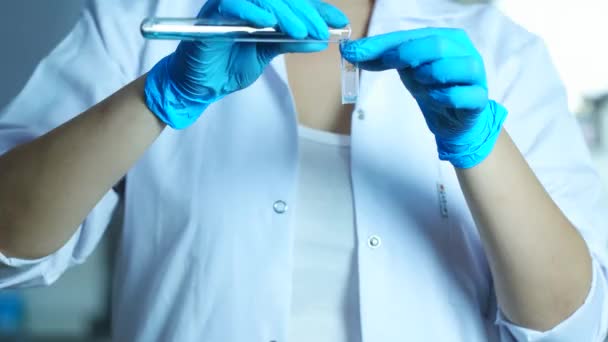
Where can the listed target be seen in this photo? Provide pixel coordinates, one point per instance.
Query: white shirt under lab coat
(206, 249)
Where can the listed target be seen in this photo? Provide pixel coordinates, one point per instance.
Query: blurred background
(76, 307)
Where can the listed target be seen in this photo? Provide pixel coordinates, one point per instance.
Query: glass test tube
(235, 31)
(205, 29)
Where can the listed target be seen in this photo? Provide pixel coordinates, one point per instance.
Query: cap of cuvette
(342, 33)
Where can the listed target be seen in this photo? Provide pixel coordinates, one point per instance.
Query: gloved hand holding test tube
(197, 29)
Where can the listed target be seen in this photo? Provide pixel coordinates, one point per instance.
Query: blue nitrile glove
(445, 73)
(181, 86)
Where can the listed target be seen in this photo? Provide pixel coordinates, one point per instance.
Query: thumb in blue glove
(445, 74)
(182, 85)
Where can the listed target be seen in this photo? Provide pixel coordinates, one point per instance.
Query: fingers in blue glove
(460, 99)
(415, 53)
(310, 16)
(402, 49)
(332, 15)
(297, 18)
(317, 16)
(239, 9)
(370, 48)
(455, 70)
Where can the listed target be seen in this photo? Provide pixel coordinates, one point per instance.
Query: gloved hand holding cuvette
(445, 73)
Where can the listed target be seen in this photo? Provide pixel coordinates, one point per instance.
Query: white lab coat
(205, 254)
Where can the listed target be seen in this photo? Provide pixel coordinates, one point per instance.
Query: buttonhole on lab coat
(442, 200)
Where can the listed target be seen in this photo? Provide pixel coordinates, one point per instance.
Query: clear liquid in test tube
(225, 31)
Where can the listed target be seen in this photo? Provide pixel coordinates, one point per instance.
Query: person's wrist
(473, 146)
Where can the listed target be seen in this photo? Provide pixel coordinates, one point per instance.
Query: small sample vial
(350, 82)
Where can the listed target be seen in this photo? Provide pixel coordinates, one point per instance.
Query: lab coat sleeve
(549, 137)
(580, 326)
(77, 74)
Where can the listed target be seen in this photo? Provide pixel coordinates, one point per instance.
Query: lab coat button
(361, 114)
(280, 207)
(374, 241)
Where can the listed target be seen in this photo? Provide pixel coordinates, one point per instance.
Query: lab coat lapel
(278, 69)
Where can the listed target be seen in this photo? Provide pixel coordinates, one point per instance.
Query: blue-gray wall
(29, 30)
